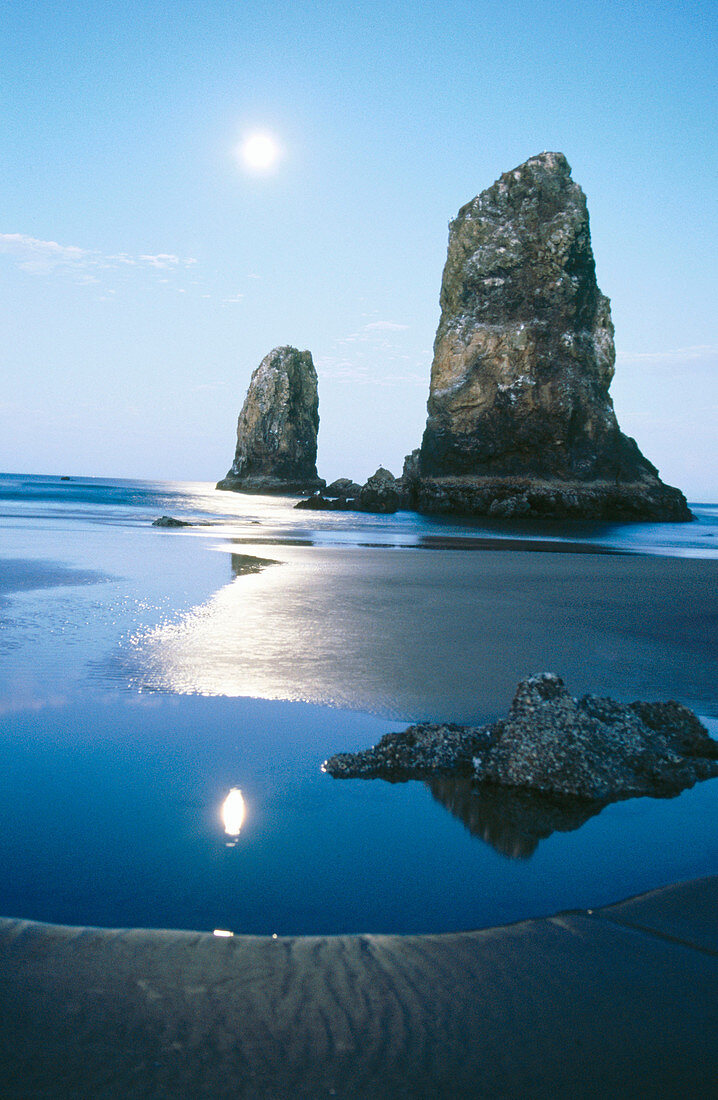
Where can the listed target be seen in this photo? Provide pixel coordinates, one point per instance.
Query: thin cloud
(347, 370)
(123, 258)
(342, 370)
(166, 260)
(376, 354)
(372, 332)
(32, 254)
(694, 354)
(45, 257)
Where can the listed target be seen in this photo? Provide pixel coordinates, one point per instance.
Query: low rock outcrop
(532, 498)
(520, 418)
(277, 428)
(591, 748)
(382, 494)
(342, 489)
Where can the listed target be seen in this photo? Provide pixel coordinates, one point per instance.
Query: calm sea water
(111, 792)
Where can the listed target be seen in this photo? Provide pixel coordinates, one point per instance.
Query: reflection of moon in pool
(233, 812)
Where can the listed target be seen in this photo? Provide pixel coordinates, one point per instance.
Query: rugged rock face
(596, 748)
(519, 408)
(590, 748)
(277, 428)
(410, 479)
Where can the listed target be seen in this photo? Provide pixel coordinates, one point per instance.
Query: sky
(145, 269)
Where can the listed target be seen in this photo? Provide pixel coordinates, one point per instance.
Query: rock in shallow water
(170, 521)
(590, 748)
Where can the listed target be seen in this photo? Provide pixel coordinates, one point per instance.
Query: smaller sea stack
(277, 428)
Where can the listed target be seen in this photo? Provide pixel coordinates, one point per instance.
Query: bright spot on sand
(233, 811)
(259, 152)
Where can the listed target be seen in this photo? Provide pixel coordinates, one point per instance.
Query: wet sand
(24, 575)
(446, 634)
(617, 1002)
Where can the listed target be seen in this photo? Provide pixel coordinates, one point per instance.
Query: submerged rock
(520, 419)
(591, 748)
(246, 564)
(277, 428)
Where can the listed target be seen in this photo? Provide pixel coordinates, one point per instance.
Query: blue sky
(144, 272)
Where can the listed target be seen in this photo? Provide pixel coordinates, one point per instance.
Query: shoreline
(522, 1009)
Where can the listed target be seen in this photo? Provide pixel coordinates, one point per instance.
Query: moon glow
(259, 152)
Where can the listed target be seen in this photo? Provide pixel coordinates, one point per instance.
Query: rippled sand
(615, 1002)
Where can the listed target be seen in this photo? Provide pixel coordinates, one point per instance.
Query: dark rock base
(321, 503)
(518, 497)
(271, 486)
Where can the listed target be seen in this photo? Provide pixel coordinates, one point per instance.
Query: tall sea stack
(277, 428)
(520, 418)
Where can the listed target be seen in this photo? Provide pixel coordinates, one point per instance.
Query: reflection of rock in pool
(511, 821)
(242, 564)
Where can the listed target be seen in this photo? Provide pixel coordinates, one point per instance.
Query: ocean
(147, 672)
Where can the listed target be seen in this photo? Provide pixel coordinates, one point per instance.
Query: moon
(259, 152)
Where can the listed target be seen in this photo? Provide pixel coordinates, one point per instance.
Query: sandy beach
(520, 1010)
